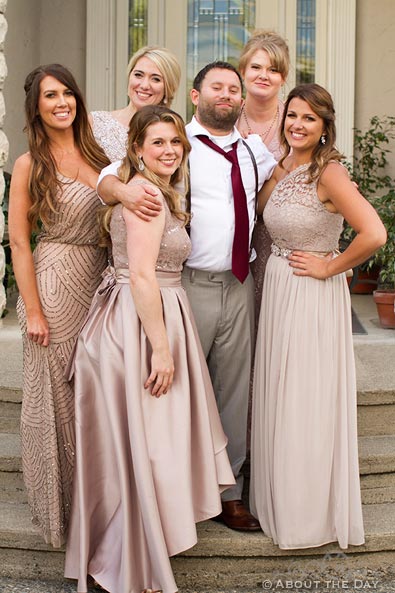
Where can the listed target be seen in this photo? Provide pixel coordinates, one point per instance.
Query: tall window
(137, 25)
(217, 30)
(305, 41)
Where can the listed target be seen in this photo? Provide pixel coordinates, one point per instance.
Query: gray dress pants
(224, 312)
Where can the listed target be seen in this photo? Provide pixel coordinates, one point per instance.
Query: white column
(3, 146)
(106, 53)
(335, 53)
(341, 69)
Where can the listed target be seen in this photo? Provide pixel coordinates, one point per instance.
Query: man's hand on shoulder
(142, 199)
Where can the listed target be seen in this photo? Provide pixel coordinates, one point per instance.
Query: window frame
(107, 50)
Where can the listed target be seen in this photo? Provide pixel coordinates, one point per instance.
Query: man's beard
(217, 118)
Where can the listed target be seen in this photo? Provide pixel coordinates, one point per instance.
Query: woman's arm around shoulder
(20, 231)
(143, 244)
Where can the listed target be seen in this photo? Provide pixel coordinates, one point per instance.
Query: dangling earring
(282, 93)
(323, 139)
(141, 164)
(164, 100)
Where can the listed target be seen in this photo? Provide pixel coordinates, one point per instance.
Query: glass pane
(137, 25)
(305, 41)
(217, 30)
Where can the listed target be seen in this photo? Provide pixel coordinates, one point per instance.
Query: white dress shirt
(213, 216)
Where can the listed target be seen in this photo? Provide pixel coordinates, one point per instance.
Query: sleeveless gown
(68, 266)
(147, 468)
(305, 487)
(110, 134)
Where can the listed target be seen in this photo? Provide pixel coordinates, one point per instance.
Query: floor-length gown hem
(147, 469)
(305, 487)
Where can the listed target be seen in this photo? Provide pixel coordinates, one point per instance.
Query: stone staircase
(225, 559)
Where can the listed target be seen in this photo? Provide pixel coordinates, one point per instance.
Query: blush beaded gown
(68, 265)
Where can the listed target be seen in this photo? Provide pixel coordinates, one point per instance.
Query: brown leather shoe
(235, 516)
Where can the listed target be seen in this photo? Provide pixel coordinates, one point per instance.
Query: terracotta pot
(366, 281)
(385, 303)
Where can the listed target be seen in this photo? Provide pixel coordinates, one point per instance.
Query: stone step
(376, 411)
(10, 414)
(222, 559)
(377, 468)
(11, 395)
(376, 454)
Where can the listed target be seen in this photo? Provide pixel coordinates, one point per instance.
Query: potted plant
(369, 171)
(384, 296)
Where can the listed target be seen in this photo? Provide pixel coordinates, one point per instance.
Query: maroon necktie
(241, 240)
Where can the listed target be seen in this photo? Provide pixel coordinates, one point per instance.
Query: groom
(225, 173)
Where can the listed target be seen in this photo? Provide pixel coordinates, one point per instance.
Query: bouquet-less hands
(162, 372)
(307, 264)
(37, 328)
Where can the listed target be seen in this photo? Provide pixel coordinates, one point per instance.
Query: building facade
(346, 45)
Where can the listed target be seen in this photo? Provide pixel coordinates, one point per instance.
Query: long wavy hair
(139, 124)
(44, 182)
(321, 104)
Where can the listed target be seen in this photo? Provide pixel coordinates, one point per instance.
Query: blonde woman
(153, 75)
(264, 66)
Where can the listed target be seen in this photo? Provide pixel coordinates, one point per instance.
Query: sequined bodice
(297, 219)
(110, 134)
(174, 249)
(75, 219)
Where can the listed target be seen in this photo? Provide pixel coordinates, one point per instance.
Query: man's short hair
(200, 76)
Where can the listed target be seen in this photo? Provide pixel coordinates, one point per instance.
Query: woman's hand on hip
(307, 264)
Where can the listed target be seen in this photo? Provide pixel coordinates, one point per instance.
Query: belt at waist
(284, 252)
(165, 279)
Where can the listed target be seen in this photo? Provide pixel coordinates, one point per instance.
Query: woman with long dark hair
(304, 473)
(53, 184)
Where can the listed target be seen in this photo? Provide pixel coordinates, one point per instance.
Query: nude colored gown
(147, 468)
(68, 266)
(305, 487)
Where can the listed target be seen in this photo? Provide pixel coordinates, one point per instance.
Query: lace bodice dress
(68, 264)
(297, 219)
(147, 468)
(304, 453)
(110, 134)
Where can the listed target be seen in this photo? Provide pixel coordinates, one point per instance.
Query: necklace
(265, 132)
